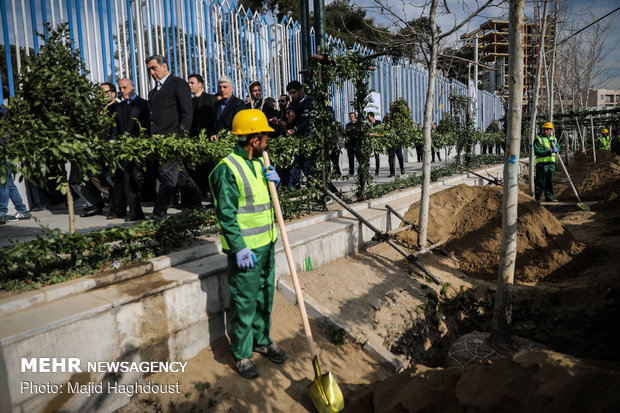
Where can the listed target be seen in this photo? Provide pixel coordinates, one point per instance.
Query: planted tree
(502, 315)
(56, 118)
(424, 34)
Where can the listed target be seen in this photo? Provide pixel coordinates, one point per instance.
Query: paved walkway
(58, 216)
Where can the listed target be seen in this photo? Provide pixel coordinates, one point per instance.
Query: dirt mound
(469, 220)
(593, 181)
(528, 381)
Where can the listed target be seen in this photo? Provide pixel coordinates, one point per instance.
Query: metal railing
(210, 38)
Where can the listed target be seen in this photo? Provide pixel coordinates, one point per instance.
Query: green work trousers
(544, 180)
(251, 299)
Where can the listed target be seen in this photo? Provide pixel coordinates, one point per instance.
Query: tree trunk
(70, 206)
(553, 59)
(593, 143)
(426, 129)
(500, 329)
(583, 143)
(541, 51)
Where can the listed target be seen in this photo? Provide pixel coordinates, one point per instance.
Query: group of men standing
(183, 108)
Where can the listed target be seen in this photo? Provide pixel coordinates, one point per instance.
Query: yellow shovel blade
(324, 391)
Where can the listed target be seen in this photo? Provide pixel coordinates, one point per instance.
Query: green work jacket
(603, 142)
(542, 149)
(242, 202)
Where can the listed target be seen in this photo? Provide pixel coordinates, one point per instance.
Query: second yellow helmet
(548, 125)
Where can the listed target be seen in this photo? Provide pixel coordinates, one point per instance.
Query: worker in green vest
(248, 235)
(603, 141)
(545, 149)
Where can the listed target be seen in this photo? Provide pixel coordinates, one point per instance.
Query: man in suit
(203, 104)
(171, 112)
(226, 108)
(133, 113)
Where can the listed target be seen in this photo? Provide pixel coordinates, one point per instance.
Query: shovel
(324, 391)
(583, 206)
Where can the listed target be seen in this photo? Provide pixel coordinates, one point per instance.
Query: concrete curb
(317, 311)
(49, 293)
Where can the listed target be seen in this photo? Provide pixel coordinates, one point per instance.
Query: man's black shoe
(91, 212)
(114, 215)
(246, 368)
(136, 218)
(157, 217)
(391, 176)
(272, 352)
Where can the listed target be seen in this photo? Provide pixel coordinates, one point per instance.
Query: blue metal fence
(211, 38)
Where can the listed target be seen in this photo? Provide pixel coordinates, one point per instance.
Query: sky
(581, 11)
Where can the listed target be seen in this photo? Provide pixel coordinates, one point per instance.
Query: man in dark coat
(305, 114)
(266, 105)
(133, 113)
(202, 120)
(203, 104)
(171, 112)
(226, 108)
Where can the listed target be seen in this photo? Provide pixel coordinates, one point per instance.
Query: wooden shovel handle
(289, 258)
(570, 181)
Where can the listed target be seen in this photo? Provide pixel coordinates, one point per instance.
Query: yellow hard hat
(548, 125)
(249, 121)
(604, 131)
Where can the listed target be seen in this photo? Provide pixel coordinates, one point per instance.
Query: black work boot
(272, 352)
(246, 368)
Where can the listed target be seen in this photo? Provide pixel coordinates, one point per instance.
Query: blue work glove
(271, 174)
(245, 258)
(555, 150)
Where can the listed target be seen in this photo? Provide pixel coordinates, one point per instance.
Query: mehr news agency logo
(75, 365)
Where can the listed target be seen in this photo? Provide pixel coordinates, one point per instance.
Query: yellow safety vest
(544, 142)
(604, 143)
(255, 214)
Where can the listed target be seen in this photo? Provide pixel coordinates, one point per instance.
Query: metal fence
(210, 38)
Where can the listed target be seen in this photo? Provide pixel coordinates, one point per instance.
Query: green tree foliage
(349, 23)
(398, 128)
(412, 40)
(56, 117)
(457, 128)
(343, 20)
(492, 136)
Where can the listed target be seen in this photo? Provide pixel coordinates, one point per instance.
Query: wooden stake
(593, 143)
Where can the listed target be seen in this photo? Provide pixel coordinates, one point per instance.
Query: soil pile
(469, 220)
(600, 181)
(528, 381)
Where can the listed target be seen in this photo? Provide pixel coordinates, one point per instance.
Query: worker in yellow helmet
(546, 149)
(603, 142)
(248, 235)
